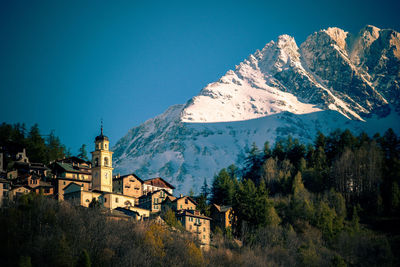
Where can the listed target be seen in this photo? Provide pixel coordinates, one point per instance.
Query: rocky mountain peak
(339, 36)
(332, 80)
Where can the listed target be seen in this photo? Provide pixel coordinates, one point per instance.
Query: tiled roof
(188, 197)
(222, 208)
(126, 175)
(159, 182)
(69, 168)
(192, 214)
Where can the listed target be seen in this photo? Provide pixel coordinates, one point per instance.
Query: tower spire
(101, 129)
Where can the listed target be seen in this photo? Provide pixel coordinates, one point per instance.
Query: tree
(267, 151)
(253, 208)
(223, 188)
(202, 205)
(301, 206)
(55, 150)
(170, 218)
(204, 189)
(253, 164)
(82, 152)
(36, 147)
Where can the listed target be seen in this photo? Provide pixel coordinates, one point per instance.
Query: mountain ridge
(332, 80)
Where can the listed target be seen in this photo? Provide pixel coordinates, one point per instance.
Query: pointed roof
(187, 197)
(221, 208)
(101, 137)
(126, 175)
(159, 182)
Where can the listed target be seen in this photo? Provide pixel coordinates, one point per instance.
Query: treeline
(316, 204)
(39, 149)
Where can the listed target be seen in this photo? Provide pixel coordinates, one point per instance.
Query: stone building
(180, 203)
(156, 184)
(153, 200)
(129, 185)
(197, 224)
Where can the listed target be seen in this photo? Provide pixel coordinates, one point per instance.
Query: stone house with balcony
(197, 224)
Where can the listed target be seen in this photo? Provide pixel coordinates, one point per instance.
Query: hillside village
(121, 197)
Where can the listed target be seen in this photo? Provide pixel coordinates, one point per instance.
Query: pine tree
(55, 150)
(204, 189)
(82, 152)
(36, 147)
(223, 188)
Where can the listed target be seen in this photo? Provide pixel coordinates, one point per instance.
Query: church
(102, 182)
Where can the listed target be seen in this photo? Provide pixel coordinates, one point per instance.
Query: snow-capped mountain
(333, 80)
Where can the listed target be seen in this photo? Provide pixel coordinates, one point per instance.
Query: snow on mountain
(333, 80)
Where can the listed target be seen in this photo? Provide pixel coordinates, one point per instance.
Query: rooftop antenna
(102, 126)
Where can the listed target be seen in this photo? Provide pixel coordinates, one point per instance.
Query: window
(64, 182)
(105, 161)
(186, 201)
(96, 162)
(116, 200)
(105, 200)
(204, 237)
(190, 227)
(105, 146)
(204, 229)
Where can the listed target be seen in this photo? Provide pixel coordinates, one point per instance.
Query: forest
(40, 148)
(334, 202)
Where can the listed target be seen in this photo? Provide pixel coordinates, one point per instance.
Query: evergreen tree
(253, 164)
(83, 153)
(223, 188)
(202, 205)
(36, 147)
(204, 189)
(267, 151)
(55, 150)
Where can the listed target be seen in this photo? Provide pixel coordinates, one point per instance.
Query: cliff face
(333, 80)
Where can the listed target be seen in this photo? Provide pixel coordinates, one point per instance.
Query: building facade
(129, 185)
(197, 224)
(153, 201)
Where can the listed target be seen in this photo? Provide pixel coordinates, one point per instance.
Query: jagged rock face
(333, 80)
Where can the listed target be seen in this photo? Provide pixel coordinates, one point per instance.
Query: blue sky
(67, 64)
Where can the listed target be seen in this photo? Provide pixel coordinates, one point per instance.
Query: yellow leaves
(161, 243)
(195, 255)
(154, 239)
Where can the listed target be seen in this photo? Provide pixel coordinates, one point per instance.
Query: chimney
(180, 195)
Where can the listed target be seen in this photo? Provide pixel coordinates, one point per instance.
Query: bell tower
(102, 164)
